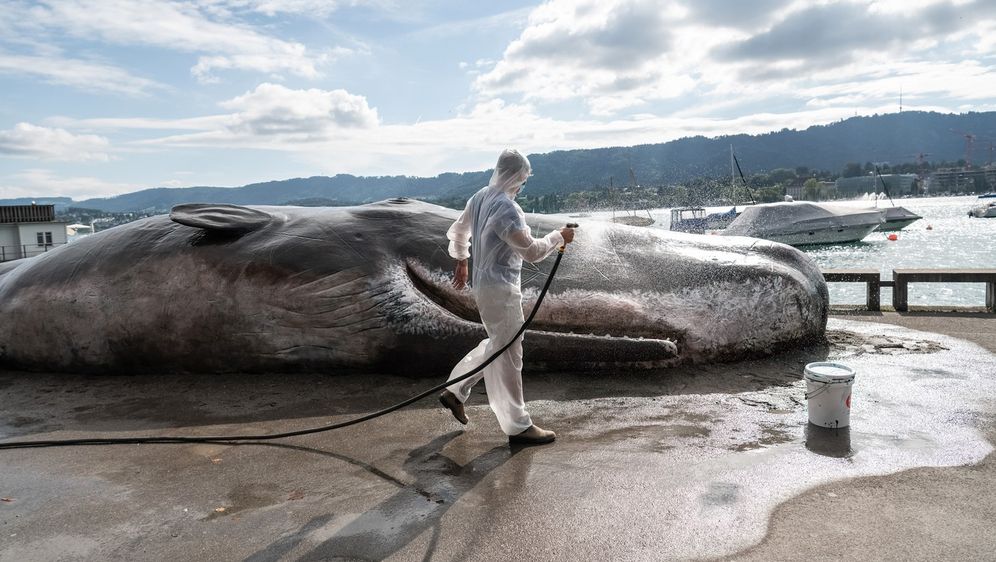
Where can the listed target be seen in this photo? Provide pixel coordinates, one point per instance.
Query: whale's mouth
(588, 338)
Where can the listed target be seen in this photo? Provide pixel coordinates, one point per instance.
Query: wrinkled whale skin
(367, 288)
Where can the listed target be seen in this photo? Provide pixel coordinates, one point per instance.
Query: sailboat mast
(733, 178)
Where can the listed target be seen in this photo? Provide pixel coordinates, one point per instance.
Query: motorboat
(688, 219)
(897, 218)
(800, 223)
(985, 208)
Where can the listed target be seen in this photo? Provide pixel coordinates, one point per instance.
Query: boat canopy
(788, 216)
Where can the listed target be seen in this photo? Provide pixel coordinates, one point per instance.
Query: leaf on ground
(296, 495)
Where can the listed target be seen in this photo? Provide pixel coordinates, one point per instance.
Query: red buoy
(893, 237)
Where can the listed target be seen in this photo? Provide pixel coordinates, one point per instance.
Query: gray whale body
(222, 288)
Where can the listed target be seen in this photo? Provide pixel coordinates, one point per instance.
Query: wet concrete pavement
(698, 462)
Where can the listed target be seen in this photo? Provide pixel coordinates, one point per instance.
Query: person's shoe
(449, 400)
(533, 436)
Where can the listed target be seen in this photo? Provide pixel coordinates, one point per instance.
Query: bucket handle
(824, 388)
(817, 392)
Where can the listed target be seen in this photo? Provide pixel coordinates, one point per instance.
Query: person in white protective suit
(494, 224)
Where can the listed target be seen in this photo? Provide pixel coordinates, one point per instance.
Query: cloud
(619, 56)
(270, 116)
(836, 34)
(274, 109)
(80, 74)
(310, 8)
(36, 182)
(511, 19)
(221, 40)
(32, 141)
(610, 49)
(733, 14)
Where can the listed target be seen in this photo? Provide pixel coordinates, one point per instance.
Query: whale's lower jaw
(550, 344)
(576, 352)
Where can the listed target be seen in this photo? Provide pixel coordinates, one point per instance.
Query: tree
(852, 170)
(781, 175)
(811, 190)
(769, 194)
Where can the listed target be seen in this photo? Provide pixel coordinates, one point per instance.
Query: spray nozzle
(568, 225)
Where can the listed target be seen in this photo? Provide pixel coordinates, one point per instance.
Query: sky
(103, 97)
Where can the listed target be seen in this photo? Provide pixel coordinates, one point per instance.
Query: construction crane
(969, 143)
(921, 159)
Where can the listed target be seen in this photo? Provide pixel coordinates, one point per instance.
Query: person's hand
(568, 234)
(460, 275)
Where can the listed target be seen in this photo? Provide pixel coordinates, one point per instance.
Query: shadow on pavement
(438, 484)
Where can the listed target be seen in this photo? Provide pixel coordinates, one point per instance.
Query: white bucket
(828, 390)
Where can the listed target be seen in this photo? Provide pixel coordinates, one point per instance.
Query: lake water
(954, 241)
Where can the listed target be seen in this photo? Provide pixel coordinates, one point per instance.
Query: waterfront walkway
(707, 462)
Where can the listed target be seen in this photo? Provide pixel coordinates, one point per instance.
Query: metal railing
(10, 253)
(901, 278)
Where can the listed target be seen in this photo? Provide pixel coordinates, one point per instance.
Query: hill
(894, 138)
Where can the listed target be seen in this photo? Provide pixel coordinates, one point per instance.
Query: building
(963, 180)
(897, 184)
(29, 230)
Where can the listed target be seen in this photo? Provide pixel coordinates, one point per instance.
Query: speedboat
(897, 218)
(985, 208)
(800, 223)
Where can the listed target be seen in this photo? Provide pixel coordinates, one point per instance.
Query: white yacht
(985, 208)
(800, 223)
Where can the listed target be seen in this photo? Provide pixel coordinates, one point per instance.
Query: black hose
(271, 436)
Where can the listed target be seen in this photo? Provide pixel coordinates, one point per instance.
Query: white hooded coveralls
(501, 240)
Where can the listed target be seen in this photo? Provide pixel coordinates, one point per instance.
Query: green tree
(852, 170)
(769, 194)
(811, 190)
(781, 175)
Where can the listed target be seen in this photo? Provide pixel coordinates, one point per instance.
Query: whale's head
(639, 297)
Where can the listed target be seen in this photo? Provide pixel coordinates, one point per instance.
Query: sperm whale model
(223, 288)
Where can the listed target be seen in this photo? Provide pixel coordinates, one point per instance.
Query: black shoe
(449, 400)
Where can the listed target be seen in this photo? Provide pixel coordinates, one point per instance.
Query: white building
(29, 230)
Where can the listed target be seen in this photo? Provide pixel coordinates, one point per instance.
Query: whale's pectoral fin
(8, 266)
(225, 218)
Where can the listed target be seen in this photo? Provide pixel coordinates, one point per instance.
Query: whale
(271, 289)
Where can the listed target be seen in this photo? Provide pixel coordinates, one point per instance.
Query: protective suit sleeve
(459, 235)
(532, 249)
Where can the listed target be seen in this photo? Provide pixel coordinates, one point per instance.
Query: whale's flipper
(226, 218)
(8, 266)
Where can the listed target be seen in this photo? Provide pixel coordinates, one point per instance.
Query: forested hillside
(893, 138)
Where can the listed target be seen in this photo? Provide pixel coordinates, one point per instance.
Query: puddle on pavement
(917, 401)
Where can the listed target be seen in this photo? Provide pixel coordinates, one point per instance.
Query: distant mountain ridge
(895, 138)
